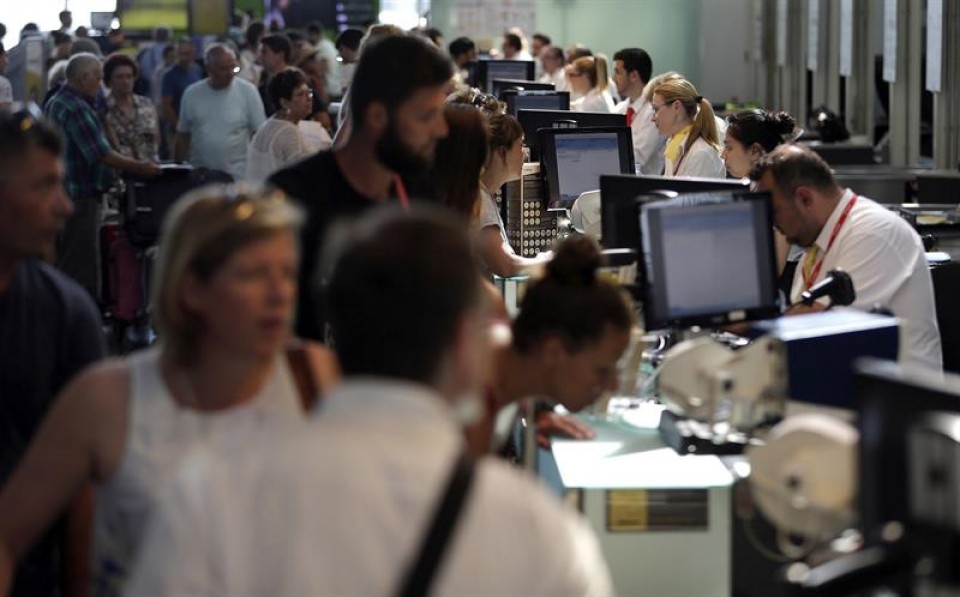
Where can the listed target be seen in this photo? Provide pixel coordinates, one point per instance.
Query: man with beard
(396, 100)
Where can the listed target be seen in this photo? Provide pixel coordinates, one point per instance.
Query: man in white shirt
(512, 47)
(839, 229)
(341, 504)
(632, 68)
(218, 116)
(553, 61)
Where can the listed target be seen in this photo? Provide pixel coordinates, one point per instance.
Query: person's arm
(181, 147)
(76, 545)
(501, 259)
(84, 422)
(549, 423)
(142, 168)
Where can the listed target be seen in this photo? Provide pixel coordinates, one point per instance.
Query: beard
(399, 157)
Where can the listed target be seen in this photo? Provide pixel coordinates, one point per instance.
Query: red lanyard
(808, 282)
(401, 193)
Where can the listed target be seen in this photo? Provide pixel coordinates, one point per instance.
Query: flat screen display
(575, 159)
(708, 260)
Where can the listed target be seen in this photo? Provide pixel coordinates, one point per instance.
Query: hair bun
(786, 124)
(575, 262)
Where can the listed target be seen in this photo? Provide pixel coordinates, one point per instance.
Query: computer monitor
(891, 402)
(621, 197)
(501, 86)
(488, 70)
(534, 120)
(536, 100)
(574, 159)
(708, 261)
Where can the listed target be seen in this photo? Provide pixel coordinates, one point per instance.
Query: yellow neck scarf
(676, 142)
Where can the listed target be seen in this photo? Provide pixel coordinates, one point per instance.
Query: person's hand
(149, 169)
(550, 423)
(801, 309)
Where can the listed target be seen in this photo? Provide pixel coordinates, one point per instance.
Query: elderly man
(218, 116)
(840, 229)
(90, 164)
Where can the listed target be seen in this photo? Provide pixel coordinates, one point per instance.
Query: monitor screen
(892, 400)
(534, 120)
(573, 160)
(502, 86)
(708, 260)
(488, 70)
(621, 196)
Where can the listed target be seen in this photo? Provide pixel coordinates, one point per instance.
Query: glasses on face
(304, 93)
(656, 108)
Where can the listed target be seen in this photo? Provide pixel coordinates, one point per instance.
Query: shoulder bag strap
(303, 376)
(420, 576)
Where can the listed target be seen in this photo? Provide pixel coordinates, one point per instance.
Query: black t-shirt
(326, 196)
(49, 330)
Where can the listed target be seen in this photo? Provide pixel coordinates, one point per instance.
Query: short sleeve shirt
(86, 144)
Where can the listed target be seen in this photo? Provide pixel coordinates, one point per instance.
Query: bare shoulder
(101, 384)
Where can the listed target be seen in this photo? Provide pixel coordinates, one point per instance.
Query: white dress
(161, 434)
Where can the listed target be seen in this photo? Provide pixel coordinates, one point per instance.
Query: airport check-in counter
(663, 520)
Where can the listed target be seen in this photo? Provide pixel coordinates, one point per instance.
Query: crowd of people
(331, 356)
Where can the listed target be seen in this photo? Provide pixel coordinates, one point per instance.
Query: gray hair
(85, 46)
(215, 49)
(81, 64)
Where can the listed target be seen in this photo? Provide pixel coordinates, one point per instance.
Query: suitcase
(146, 202)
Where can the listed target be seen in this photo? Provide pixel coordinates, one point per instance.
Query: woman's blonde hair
(595, 68)
(200, 233)
(676, 88)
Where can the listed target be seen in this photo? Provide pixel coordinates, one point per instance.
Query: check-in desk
(663, 520)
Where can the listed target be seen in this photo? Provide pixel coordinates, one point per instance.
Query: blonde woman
(223, 302)
(687, 120)
(589, 80)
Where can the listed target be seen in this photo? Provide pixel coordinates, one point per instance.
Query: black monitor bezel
(622, 194)
(654, 320)
(548, 156)
(499, 87)
(482, 76)
(510, 97)
(530, 121)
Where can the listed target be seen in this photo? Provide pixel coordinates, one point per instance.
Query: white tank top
(160, 435)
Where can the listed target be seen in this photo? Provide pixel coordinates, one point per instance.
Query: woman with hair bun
(751, 134)
(687, 119)
(572, 328)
